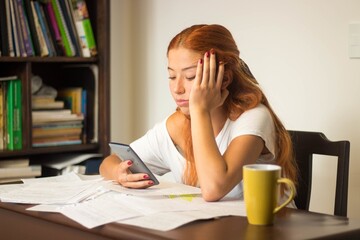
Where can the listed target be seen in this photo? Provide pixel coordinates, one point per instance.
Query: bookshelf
(63, 71)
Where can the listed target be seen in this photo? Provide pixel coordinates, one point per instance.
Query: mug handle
(290, 184)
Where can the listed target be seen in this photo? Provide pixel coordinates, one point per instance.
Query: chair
(305, 144)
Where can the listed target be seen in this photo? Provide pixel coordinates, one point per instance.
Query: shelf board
(47, 150)
(49, 59)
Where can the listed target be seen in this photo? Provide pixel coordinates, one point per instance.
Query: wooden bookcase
(51, 70)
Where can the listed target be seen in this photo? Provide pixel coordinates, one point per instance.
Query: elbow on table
(211, 195)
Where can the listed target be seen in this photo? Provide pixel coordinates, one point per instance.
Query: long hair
(244, 92)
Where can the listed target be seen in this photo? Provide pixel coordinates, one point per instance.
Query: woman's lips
(182, 103)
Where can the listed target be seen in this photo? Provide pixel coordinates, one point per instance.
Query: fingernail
(207, 54)
(146, 176)
(129, 163)
(212, 51)
(201, 61)
(151, 183)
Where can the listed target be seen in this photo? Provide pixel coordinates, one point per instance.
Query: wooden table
(17, 223)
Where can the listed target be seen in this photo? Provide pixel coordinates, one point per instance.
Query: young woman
(223, 121)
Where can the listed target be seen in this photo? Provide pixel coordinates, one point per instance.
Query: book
(24, 29)
(10, 115)
(13, 29)
(56, 122)
(44, 50)
(2, 114)
(20, 172)
(11, 180)
(66, 9)
(8, 78)
(64, 124)
(44, 28)
(14, 163)
(32, 27)
(17, 115)
(60, 131)
(56, 143)
(57, 119)
(3, 29)
(64, 31)
(42, 98)
(54, 116)
(84, 28)
(6, 104)
(81, 37)
(13, 115)
(49, 33)
(84, 102)
(73, 99)
(3, 135)
(47, 105)
(9, 29)
(19, 30)
(53, 113)
(54, 29)
(60, 138)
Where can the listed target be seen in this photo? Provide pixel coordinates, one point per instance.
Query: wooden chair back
(306, 144)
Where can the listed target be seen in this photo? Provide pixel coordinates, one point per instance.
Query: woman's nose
(179, 87)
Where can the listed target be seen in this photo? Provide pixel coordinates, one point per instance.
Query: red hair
(244, 92)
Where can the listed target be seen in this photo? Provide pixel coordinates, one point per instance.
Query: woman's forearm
(210, 165)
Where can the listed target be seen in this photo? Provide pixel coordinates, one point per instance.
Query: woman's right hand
(207, 92)
(114, 169)
(130, 180)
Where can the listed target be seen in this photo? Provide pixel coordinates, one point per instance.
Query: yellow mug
(261, 192)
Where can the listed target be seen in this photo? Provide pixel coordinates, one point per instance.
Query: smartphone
(125, 152)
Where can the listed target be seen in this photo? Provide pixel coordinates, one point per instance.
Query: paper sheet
(102, 210)
(165, 221)
(56, 192)
(90, 202)
(6, 188)
(155, 212)
(70, 177)
(164, 188)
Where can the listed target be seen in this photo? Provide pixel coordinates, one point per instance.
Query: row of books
(10, 113)
(59, 121)
(13, 170)
(46, 28)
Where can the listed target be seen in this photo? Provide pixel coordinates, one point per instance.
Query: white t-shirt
(161, 155)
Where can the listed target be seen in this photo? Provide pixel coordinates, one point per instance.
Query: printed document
(92, 201)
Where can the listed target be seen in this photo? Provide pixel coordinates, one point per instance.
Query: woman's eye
(171, 78)
(190, 78)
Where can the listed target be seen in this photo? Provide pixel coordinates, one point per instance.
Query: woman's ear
(225, 84)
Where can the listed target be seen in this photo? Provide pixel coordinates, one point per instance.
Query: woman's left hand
(207, 93)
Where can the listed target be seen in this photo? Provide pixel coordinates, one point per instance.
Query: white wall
(298, 50)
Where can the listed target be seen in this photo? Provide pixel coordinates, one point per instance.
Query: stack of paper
(68, 190)
(13, 170)
(94, 202)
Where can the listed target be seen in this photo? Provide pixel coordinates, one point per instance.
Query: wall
(298, 50)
